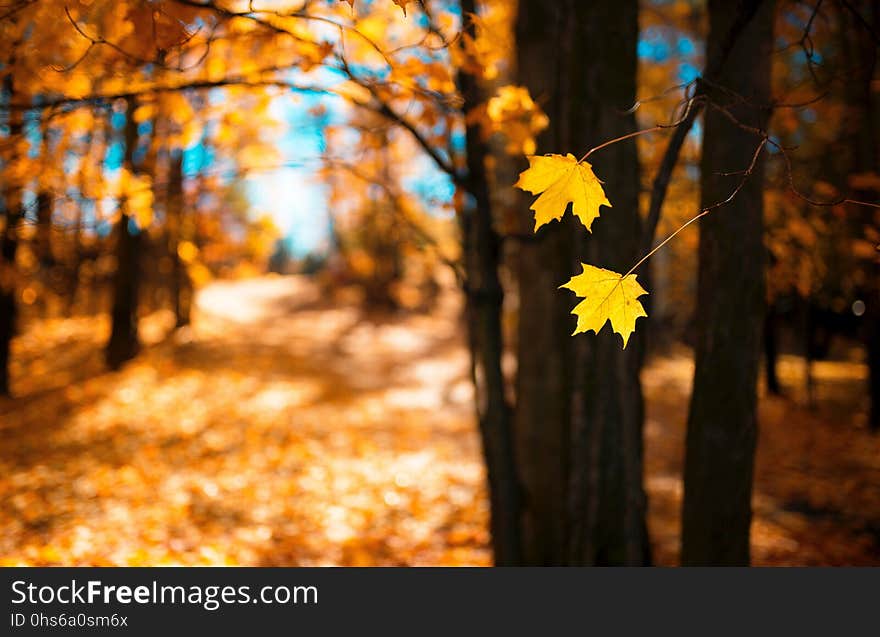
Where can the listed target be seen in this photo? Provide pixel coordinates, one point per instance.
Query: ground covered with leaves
(283, 430)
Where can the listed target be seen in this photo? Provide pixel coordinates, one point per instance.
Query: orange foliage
(265, 437)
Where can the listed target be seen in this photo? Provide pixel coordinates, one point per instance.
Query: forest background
(270, 294)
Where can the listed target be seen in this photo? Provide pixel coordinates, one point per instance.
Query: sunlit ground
(285, 430)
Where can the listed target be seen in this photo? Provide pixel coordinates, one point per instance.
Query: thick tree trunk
(484, 301)
(722, 425)
(123, 344)
(863, 104)
(607, 499)
(544, 363)
(579, 404)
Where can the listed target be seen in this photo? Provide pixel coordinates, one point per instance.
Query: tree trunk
(873, 342)
(771, 351)
(544, 362)
(181, 286)
(607, 500)
(484, 300)
(863, 118)
(45, 204)
(123, 344)
(12, 207)
(722, 424)
(8, 250)
(579, 403)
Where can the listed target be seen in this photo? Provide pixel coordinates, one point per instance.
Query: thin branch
(745, 173)
(809, 200)
(645, 131)
(660, 186)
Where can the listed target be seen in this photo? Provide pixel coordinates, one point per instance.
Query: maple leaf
(561, 181)
(608, 296)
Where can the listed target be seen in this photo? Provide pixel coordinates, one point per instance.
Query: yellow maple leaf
(561, 181)
(608, 296)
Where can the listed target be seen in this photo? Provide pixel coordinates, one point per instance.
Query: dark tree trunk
(8, 310)
(771, 351)
(579, 403)
(607, 500)
(44, 230)
(484, 300)
(863, 102)
(45, 204)
(42, 242)
(12, 207)
(874, 365)
(722, 425)
(8, 250)
(544, 363)
(123, 344)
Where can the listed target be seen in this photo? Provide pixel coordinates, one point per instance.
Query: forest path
(277, 431)
(282, 429)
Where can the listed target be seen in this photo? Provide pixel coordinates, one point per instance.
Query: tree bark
(484, 300)
(722, 424)
(579, 403)
(607, 500)
(544, 363)
(123, 344)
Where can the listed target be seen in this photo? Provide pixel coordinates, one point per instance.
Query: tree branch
(660, 185)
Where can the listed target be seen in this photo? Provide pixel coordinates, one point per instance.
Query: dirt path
(281, 430)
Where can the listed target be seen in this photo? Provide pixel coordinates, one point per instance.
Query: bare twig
(660, 186)
(745, 173)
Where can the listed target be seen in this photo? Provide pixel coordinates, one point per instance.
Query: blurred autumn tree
(417, 76)
(387, 243)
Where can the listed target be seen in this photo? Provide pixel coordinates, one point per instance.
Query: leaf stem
(653, 129)
(703, 213)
